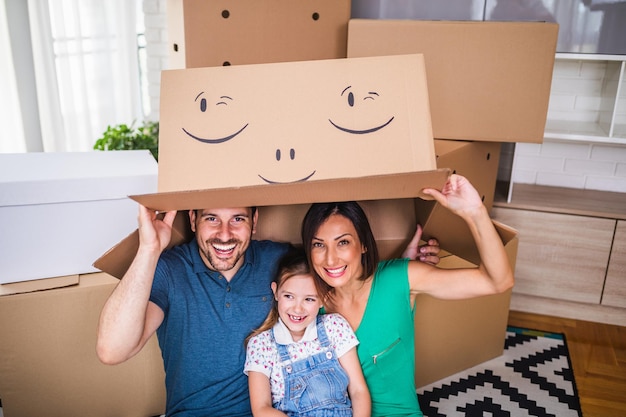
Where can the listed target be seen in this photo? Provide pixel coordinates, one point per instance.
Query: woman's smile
(336, 251)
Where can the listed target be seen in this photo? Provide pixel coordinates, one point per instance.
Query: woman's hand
(457, 195)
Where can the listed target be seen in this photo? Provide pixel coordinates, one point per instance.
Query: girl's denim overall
(316, 386)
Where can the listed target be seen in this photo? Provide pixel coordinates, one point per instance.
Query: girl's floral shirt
(262, 354)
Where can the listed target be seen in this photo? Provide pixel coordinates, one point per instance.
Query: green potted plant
(124, 137)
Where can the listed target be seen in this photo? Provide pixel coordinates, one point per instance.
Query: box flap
(117, 260)
(452, 232)
(477, 161)
(487, 81)
(293, 122)
(58, 177)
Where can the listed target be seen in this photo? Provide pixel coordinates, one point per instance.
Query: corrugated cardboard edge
(375, 187)
(39, 285)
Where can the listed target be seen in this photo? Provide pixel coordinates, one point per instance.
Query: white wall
(156, 48)
(580, 165)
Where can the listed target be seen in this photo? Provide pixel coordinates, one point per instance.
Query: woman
(377, 298)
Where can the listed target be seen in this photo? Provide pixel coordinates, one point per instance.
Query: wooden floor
(598, 355)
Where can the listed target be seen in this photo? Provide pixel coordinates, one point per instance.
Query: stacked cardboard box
(58, 212)
(63, 209)
(235, 32)
(48, 362)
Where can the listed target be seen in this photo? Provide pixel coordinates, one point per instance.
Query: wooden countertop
(592, 203)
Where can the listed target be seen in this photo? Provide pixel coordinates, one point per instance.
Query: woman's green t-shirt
(386, 342)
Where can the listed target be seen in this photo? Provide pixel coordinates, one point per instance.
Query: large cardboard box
(59, 211)
(487, 81)
(234, 32)
(48, 362)
(383, 168)
(453, 335)
(293, 122)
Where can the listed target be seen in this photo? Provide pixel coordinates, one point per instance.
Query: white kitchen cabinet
(571, 259)
(615, 288)
(588, 98)
(560, 255)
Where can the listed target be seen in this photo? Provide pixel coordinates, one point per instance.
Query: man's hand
(428, 253)
(155, 232)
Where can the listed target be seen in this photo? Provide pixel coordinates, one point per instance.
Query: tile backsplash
(578, 107)
(573, 165)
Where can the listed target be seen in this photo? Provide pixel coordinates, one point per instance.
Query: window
(86, 68)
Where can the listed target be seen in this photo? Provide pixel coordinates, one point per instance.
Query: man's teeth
(223, 248)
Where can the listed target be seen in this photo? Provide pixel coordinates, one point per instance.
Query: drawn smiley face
(281, 167)
(287, 157)
(217, 104)
(362, 101)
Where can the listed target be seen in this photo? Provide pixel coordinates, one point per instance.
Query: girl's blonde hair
(291, 264)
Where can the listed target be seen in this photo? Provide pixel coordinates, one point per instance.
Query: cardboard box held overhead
(293, 122)
(60, 211)
(487, 81)
(234, 32)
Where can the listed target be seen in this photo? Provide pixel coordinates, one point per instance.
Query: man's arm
(128, 319)
(428, 253)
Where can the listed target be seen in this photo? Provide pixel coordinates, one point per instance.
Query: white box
(60, 211)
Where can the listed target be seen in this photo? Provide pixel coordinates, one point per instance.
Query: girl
(299, 363)
(377, 298)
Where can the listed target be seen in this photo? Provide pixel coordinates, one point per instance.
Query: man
(202, 298)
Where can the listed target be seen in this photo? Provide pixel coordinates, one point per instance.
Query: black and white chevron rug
(533, 377)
